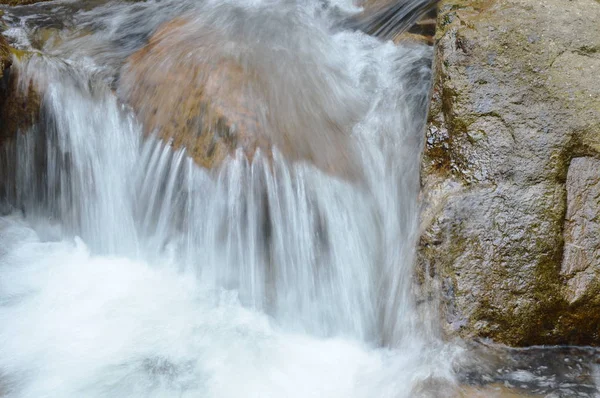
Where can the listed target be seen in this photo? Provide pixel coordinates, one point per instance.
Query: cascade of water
(152, 276)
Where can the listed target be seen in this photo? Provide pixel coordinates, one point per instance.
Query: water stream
(128, 271)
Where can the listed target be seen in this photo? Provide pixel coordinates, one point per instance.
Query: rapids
(128, 271)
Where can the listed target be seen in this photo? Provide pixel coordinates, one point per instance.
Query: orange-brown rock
(201, 106)
(201, 89)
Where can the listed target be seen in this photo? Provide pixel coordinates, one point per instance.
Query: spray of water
(127, 270)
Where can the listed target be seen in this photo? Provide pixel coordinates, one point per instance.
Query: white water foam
(126, 270)
(102, 326)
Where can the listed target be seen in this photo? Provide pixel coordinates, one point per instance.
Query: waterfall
(128, 270)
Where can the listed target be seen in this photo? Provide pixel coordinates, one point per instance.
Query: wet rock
(375, 14)
(172, 96)
(5, 57)
(213, 89)
(515, 103)
(542, 371)
(19, 2)
(19, 102)
(493, 391)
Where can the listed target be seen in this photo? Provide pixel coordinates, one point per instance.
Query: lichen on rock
(515, 100)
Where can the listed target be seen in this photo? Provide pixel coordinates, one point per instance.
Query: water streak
(127, 270)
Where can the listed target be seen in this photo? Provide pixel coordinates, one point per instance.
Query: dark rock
(19, 103)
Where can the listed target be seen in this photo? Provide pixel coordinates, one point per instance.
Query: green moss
(5, 58)
(20, 54)
(541, 313)
(535, 320)
(588, 50)
(543, 316)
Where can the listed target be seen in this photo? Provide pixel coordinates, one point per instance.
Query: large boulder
(212, 86)
(511, 174)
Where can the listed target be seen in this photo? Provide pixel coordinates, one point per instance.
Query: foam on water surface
(111, 326)
(128, 271)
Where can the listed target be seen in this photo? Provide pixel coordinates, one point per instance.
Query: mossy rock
(18, 109)
(514, 102)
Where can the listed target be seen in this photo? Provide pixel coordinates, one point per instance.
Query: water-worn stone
(204, 87)
(373, 16)
(516, 101)
(174, 101)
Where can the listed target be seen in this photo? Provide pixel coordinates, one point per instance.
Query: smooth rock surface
(211, 84)
(516, 101)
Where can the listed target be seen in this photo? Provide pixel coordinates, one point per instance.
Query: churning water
(126, 270)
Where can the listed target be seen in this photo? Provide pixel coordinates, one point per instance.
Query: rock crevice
(515, 107)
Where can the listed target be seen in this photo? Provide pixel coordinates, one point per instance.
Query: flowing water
(128, 271)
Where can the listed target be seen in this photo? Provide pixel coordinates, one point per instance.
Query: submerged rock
(172, 93)
(224, 81)
(405, 27)
(510, 171)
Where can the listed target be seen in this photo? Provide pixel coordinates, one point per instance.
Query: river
(126, 270)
